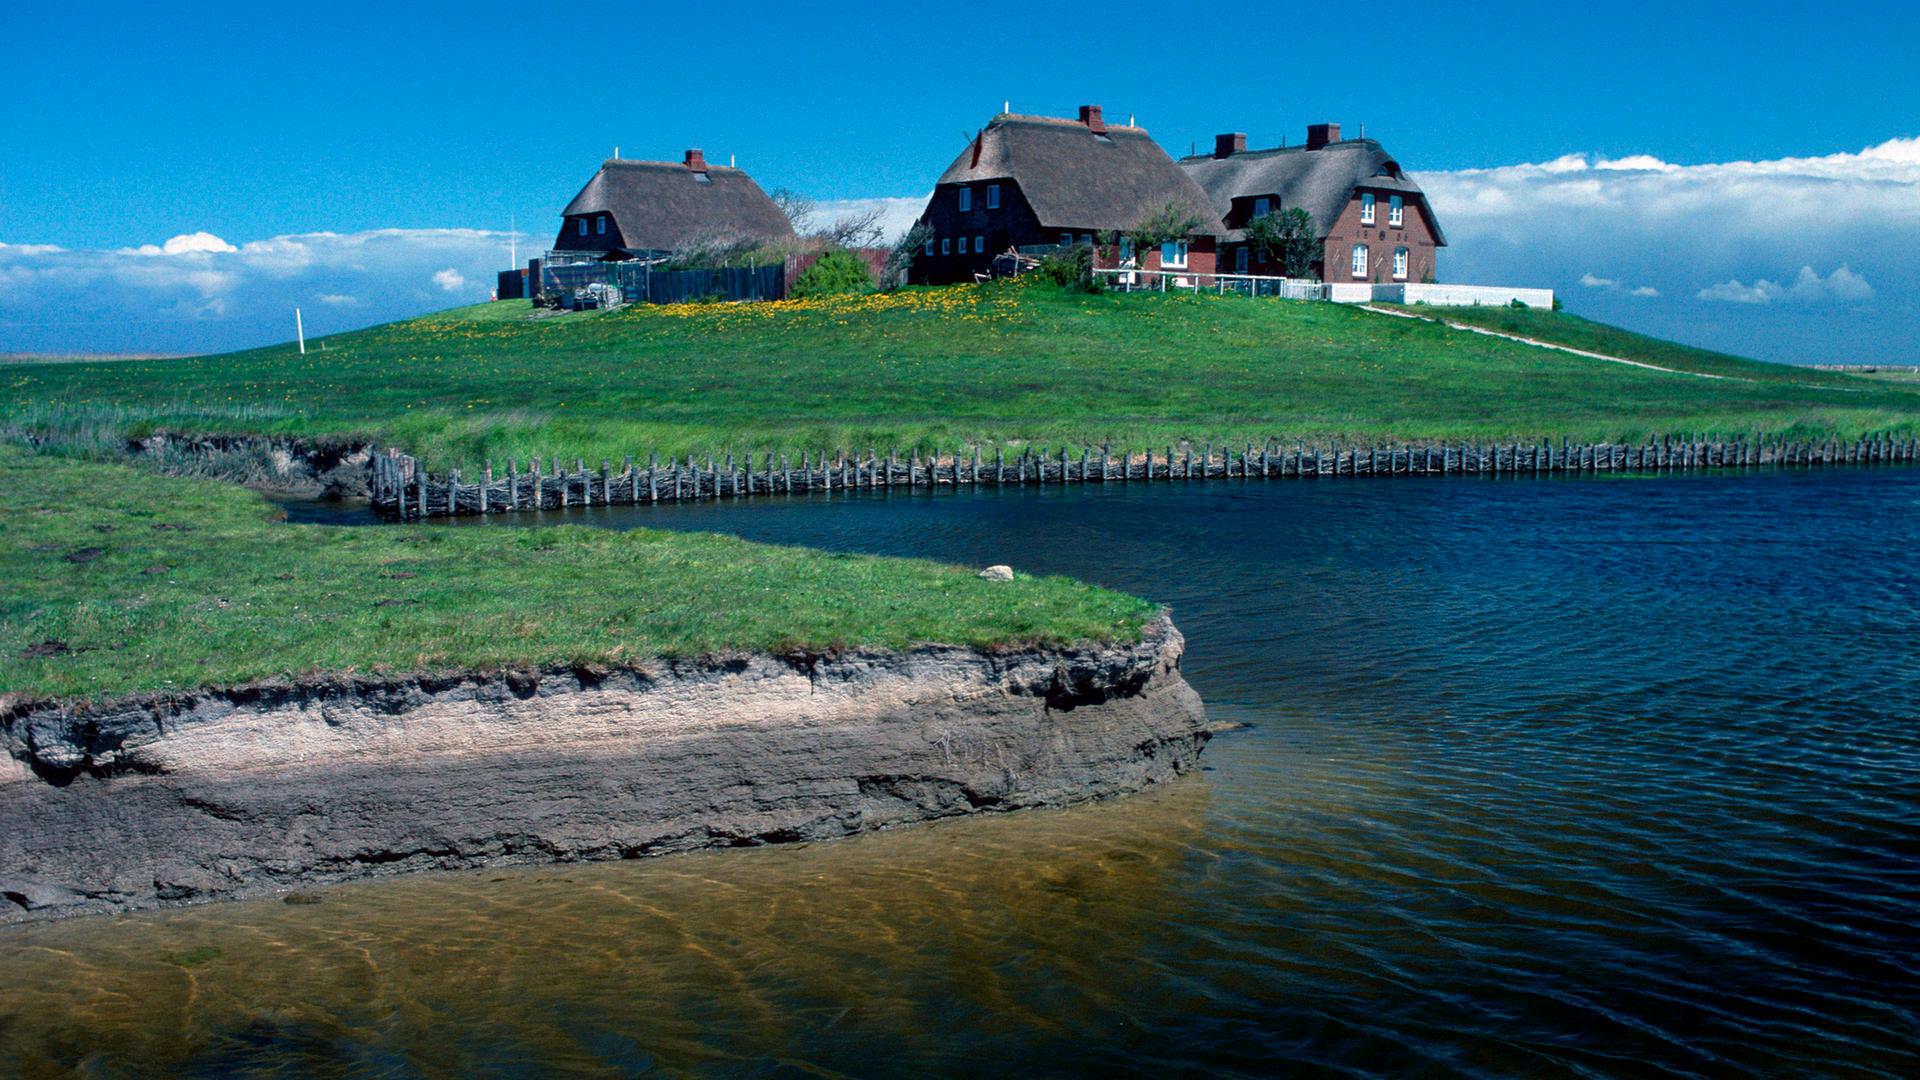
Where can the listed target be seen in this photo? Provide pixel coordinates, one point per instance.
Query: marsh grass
(1003, 364)
(119, 581)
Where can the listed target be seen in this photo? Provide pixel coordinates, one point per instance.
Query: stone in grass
(998, 572)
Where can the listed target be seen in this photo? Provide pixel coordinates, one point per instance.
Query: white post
(300, 330)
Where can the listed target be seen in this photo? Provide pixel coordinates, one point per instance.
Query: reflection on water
(1542, 777)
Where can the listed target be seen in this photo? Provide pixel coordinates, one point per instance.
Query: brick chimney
(1090, 116)
(1229, 145)
(696, 161)
(1319, 135)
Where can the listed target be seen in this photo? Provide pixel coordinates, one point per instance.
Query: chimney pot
(1319, 135)
(1090, 116)
(1229, 144)
(696, 160)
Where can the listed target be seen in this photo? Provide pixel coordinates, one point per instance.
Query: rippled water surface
(1601, 777)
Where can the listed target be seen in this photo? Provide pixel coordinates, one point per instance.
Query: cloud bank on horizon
(1796, 259)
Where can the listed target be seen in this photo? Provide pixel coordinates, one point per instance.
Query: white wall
(1452, 295)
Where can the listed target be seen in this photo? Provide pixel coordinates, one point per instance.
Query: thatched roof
(665, 206)
(1077, 179)
(1321, 181)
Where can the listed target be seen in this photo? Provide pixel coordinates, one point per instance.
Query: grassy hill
(1004, 363)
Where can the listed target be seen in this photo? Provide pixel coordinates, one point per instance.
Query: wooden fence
(402, 489)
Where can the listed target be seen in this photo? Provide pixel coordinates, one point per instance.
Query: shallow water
(1541, 777)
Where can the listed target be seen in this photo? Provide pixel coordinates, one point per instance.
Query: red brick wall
(1336, 253)
(1415, 234)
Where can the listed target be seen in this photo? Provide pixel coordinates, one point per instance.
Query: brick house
(1371, 221)
(665, 206)
(1033, 181)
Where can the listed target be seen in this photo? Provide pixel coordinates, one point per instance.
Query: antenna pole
(300, 331)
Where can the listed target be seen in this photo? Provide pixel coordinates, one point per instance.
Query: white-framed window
(946, 245)
(993, 196)
(600, 224)
(979, 245)
(929, 245)
(966, 198)
(1360, 260)
(1396, 210)
(1262, 206)
(1066, 239)
(583, 226)
(1366, 208)
(1400, 263)
(1173, 255)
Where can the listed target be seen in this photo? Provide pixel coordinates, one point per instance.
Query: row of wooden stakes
(401, 488)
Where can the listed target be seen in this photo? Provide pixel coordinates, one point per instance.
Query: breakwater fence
(401, 488)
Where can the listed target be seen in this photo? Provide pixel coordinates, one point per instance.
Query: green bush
(1071, 268)
(837, 273)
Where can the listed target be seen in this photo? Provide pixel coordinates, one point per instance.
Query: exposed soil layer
(165, 799)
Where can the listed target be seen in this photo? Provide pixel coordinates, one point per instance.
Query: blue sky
(415, 131)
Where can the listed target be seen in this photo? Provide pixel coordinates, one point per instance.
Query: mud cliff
(158, 800)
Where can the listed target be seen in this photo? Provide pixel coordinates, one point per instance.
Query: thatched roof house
(1026, 181)
(668, 206)
(1353, 191)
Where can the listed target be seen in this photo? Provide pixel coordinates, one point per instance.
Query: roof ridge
(668, 165)
(1299, 148)
(1063, 121)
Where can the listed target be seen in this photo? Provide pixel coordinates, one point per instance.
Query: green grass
(154, 583)
(1008, 363)
(1575, 332)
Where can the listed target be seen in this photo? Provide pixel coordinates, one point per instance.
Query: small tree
(900, 259)
(854, 230)
(1287, 234)
(798, 208)
(1172, 222)
(835, 273)
(1071, 268)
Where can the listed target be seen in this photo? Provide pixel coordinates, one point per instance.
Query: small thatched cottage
(1371, 221)
(1028, 181)
(635, 207)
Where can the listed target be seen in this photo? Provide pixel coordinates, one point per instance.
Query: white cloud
(198, 292)
(198, 243)
(1697, 252)
(897, 214)
(1842, 285)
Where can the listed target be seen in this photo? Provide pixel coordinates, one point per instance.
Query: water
(1587, 777)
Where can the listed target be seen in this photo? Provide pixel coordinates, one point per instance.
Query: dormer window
(582, 222)
(993, 196)
(600, 225)
(1366, 209)
(966, 199)
(1262, 206)
(1396, 211)
(702, 178)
